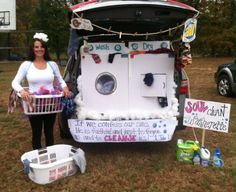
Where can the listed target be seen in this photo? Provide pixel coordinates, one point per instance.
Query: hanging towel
(73, 42)
(26, 164)
(79, 159)
(12, 101)
(137, 52)
(69, 106)
(159, 51)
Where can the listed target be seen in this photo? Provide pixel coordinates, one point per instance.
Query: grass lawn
(137, 167)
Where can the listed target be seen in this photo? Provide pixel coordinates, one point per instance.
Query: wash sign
(106, 48)
(207, 115)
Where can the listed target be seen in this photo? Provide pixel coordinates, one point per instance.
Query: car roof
(93, 4)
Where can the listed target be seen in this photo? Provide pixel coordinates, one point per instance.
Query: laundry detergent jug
(205, 156)
(185, 150)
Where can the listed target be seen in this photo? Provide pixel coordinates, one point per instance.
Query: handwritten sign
(207, 115)
(91, 131)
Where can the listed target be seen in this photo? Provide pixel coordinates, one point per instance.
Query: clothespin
(147, 36)
(120, 34)
(109, 30)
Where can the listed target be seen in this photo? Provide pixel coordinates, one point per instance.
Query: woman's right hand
(25, 95)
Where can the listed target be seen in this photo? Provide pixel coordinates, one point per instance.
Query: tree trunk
(213, 52)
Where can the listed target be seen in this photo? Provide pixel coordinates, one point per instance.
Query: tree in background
(234, 27)
(193, 3)
(51, 17)
(215, 36)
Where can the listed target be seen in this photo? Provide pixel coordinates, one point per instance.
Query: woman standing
(40, 72)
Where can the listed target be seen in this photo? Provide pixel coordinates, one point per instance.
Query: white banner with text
(94, 131)
(208, 115)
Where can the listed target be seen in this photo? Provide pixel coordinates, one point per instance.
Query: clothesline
(137, 34)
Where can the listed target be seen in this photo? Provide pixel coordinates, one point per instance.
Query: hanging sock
(80, 160)
(162, 101)
(96, 58)
(148, 79)
(111, 57)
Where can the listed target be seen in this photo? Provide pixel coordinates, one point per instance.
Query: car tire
(224, 86)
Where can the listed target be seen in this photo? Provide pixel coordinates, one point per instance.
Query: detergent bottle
(185, 150)
(196, 157)
(205, 156)
(217, 161)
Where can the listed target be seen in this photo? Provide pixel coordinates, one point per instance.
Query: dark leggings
(38, 122)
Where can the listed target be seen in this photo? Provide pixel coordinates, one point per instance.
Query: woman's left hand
(66, 92)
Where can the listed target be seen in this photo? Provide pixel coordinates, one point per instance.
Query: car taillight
(184, 87)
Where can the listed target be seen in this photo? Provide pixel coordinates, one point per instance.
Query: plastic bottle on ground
(196, 158)
(217, 161)
(205, 156)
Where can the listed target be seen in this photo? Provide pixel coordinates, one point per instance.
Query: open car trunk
(127, 91)
(135, 17)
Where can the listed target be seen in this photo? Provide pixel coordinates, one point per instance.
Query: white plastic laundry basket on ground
(43, 104)
(54, 162)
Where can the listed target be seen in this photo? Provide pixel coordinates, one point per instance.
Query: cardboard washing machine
(104, 77)
(113, 77)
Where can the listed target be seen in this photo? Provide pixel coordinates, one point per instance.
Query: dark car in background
(225, 78)
(15, 57)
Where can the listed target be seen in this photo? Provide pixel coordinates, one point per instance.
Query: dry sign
(207, 115)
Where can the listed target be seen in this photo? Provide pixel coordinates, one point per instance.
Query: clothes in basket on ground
(52, 163)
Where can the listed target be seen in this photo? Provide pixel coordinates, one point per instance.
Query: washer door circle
(105, 83)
